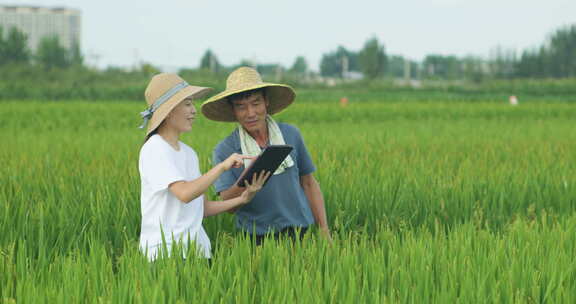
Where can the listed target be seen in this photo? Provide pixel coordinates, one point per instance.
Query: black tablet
(269, 160)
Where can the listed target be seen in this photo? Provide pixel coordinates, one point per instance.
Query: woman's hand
(252, 188)
(235, 161)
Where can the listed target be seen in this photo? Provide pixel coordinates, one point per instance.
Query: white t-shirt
(162, 213)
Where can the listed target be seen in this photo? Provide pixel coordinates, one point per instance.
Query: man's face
(251, 112)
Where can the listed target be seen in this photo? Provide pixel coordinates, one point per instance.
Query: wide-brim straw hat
(244, 79)
(164, 92)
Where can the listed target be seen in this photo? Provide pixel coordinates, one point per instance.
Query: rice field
(428, 202)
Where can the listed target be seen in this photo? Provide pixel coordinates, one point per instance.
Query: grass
(437, 202)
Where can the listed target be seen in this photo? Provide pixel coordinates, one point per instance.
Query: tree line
(555, 58)
(49, 54)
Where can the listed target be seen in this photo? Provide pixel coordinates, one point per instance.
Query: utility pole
(137, 62)
(278, 73)
(212, 62)
(344, 66)
(407, 70)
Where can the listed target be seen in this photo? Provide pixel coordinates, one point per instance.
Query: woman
(172, 199)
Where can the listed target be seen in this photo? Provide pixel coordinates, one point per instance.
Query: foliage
(51, 54)
(556, 58)
(210, 62)
(444, 67)
(372, 59)
(13, 47)
(33, 82)
(300, 66)
(396, 67)
(336, 63)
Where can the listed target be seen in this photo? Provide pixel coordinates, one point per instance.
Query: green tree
(398, 66)
(443, 67)
(502, 62)
(335, 63)
(531, 64)
(330, 65)
(148, 69)
(395, 66)
(473, 68)
(561, 52)
(13, 48)
(51, 54)
(300, 66)
(245, 63)
(269, 69)
(372, 59)
(209, 61)
(2, 47)
(555, 58)
(76, 57)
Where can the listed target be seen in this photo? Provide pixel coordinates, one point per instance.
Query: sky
(176, 33)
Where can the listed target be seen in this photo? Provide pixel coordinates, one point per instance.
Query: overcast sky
(176, 33)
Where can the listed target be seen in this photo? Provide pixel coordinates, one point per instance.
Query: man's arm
(316, 200)
(246, 195)
(231, 193)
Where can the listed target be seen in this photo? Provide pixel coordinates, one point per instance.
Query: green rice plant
(428, 202)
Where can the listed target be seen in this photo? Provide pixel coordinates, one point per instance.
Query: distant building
(353, 75)
(39, 22)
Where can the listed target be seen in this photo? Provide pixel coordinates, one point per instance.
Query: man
(292, 199)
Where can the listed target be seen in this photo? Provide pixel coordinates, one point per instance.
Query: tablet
(269, 160)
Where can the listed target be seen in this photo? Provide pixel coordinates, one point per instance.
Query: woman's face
(182, 116)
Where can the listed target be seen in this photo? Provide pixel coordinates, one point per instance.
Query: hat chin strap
(146, 115)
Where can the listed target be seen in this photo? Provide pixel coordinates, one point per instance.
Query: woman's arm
(187, 191)
(216, 207)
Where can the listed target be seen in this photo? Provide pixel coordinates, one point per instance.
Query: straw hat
(164, 92)
(244, 79)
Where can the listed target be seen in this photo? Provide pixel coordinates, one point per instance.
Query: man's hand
(316, 200)
(252, 188)
(325, 232)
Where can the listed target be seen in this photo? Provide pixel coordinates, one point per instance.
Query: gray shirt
(282, 202)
